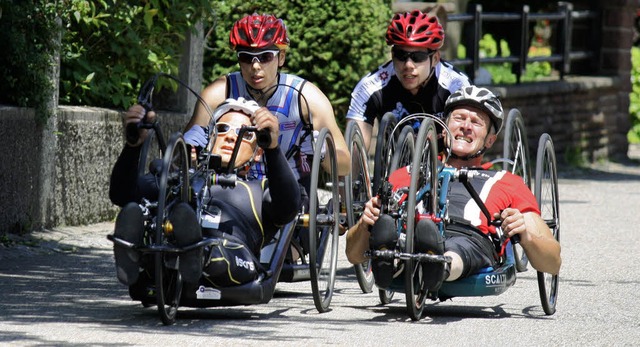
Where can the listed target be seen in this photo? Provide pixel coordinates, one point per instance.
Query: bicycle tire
(357, 192)
(423, 172)
(546, 192)
(323, 223)
(174, 188)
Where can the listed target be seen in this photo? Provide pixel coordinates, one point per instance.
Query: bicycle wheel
(324, 214)
(384, 149)
(424, 176)
(516, 150)
(174, 188)
(546, 192)
(403, 153)
(357, 193)
(402, 156)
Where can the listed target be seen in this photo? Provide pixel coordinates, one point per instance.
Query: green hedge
(26, 37)
(110, 47)
(333, 43)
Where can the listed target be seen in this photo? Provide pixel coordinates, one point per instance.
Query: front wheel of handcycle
(324, 214)
(357, 189)
(423, 188)
(546, 192)
(173, 189)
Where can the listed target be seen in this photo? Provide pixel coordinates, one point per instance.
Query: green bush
(501, 73)
(634, 97)
(333, 43)
(110, 48)
(26, 36)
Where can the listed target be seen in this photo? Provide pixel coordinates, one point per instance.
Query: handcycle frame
(489, 281)
(167, 290)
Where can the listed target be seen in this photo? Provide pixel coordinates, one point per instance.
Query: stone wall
(578, 113)
(87, 144)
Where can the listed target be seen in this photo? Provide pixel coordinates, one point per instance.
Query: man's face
(228, 125)
(470, 130)
(413, 66)
(259, 67)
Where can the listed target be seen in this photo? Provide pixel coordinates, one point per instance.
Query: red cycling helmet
(415, 29)
(259, 31)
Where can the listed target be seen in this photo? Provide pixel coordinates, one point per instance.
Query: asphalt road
(59, 288)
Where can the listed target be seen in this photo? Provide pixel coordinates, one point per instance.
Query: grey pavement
(58, 287)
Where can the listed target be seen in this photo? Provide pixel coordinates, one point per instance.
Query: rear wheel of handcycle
(546, 192)
(424, 180)
(384, 149)
(516, 150)
(402, 156)
(174, 188)
(357, 193)
(324, 214)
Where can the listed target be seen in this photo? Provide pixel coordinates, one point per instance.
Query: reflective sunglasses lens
(263, 57)
(222, 128)
(248, 135)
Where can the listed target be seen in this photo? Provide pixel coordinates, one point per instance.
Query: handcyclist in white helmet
(246, 217)
(474, 117)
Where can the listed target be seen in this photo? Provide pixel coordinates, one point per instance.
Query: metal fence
(565, 50)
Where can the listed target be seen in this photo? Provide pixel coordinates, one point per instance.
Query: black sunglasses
(261, 57)
(416, 57)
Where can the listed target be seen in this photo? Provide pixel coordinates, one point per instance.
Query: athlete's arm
(283, 188)
(323, 117)
(214, 94)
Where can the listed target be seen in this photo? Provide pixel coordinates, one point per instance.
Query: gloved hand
(196, 136)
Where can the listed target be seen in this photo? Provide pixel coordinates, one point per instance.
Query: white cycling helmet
(480, 98)
(248, 107)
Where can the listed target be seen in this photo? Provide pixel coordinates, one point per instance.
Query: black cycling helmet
(481, 98)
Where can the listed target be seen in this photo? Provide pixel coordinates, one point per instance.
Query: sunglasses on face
(224, 128)
(416, 57)
(261, 57)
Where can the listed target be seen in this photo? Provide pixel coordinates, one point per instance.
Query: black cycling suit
(248, 215)
(380, 92)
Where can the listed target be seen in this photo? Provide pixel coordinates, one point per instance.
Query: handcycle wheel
(173, 189)
(324, 214)
(403, 153)
(516, 149)
(384, 149)
(357, 193)
(151, 149)
(402, 156)
(424, 185)
(546, 192)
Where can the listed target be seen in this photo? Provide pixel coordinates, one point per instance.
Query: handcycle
(180, 180)
(361, 182)
(427, 184)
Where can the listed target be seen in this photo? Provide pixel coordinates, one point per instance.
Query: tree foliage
(111, 47)
(27, 29)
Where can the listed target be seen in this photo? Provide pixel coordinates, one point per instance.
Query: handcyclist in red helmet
(261, 43)
(416, 80)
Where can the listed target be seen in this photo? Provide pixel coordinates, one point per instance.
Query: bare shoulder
(215, 93)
